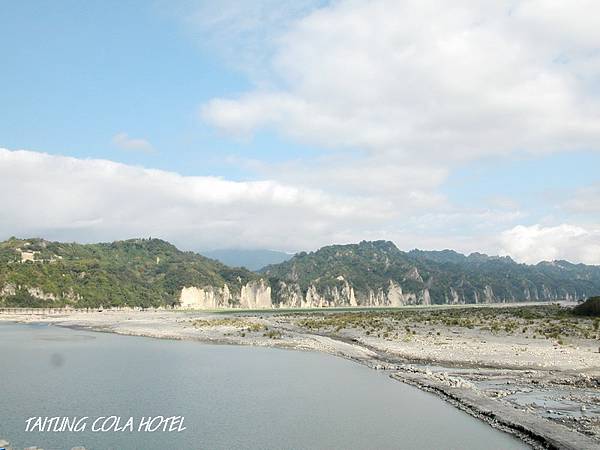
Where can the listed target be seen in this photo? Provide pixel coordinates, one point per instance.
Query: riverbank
(525, 382)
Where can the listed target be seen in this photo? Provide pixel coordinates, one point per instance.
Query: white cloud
(123, 141)
(67, 198)
(431, 81)
(574, 26)
(534, 243)
(403, 186)
(86, 200)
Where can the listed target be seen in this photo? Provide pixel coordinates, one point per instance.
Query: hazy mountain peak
(251, 259)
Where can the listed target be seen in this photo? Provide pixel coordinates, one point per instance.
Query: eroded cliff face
(255, 294)
(208, 297)
(340, 294)
(11, 289)
(259, 294)
(325, 292)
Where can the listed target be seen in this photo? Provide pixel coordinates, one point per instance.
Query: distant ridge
(250, 259)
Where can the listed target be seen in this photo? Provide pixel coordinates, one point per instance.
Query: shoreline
(456, 385)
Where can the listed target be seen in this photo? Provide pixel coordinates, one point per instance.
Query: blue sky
(80, 73)
(325, 122)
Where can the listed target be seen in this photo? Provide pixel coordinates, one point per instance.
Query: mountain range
(152, 272)
(379, 274)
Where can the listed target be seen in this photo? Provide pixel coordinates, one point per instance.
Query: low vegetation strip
(530, 322)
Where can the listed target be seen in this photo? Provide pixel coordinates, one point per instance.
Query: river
(231, 397)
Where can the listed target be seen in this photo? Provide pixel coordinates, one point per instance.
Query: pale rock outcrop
(8, 290)
(312, 298)
(376, 298)
(455, 300)
(413, 274)
(289, 295)
(411, 298)
(349, 292)
(256, 294)
(331, 296)
(39, 293)
(208, 297)
(488, 294)
(11, 289)
(395, 297)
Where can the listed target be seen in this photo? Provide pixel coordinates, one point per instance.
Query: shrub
(591, 307)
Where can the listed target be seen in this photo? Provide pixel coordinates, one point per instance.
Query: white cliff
(256, 294)
(207, 297)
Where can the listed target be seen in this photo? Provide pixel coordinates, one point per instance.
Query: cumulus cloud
(429, 80)
(535, 243)
(123, 141)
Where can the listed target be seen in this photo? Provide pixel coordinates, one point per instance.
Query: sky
(289, 125)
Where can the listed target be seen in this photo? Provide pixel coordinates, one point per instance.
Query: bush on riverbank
(591, 307)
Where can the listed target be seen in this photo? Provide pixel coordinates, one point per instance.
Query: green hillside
(136, 272)
(445, 274)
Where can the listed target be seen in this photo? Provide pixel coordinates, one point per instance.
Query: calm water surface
(232, 397)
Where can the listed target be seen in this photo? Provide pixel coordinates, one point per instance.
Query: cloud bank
(86, 200)
(535, 243)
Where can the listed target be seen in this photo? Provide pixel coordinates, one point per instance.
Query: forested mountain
(137, 272)
(152, 272)
(379, 274)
